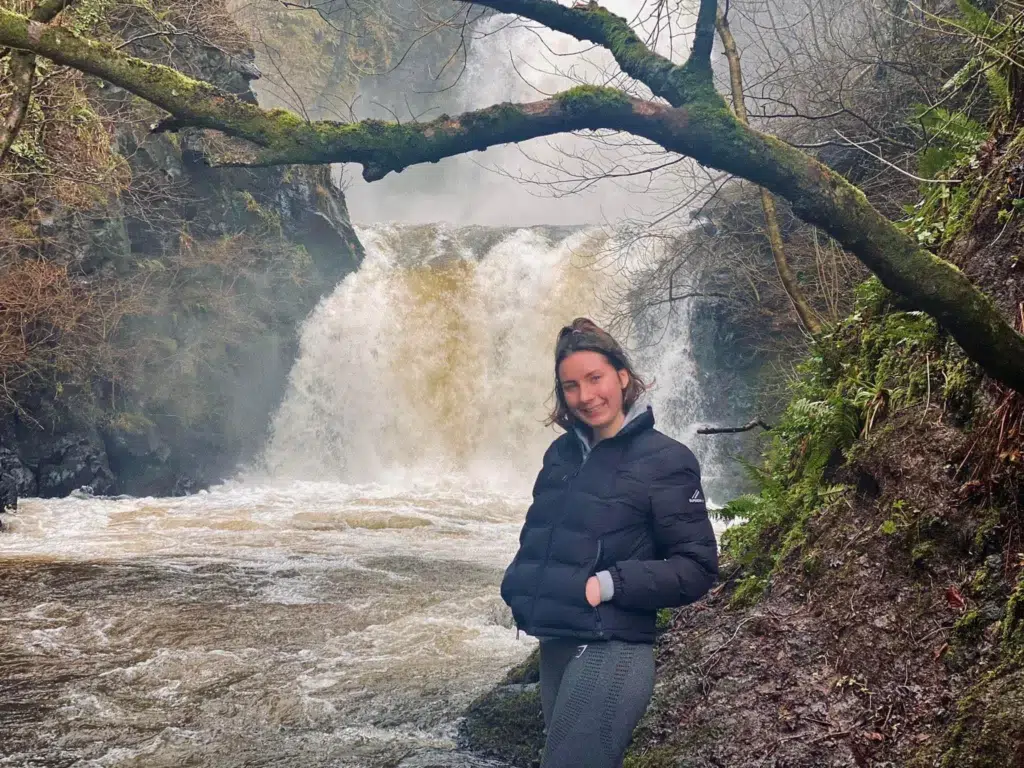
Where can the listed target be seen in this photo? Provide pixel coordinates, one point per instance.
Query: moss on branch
(677, 84)
(383, 147)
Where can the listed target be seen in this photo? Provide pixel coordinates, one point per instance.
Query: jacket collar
(638, 418)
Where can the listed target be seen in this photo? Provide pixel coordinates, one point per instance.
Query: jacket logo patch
(696, 498)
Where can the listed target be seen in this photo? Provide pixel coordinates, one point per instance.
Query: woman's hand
(593, 591)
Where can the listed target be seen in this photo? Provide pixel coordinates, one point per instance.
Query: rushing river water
(305, 625)
(338, 606)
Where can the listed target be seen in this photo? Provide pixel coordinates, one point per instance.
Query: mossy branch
(383, 147)
(22, 72)
(284, 138)
(704, 36)
(677, 84)
(705, 130)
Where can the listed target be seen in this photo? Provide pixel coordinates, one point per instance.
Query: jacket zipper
(597, 612)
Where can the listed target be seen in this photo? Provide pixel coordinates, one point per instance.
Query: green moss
(505, 725)
(130, 422)
(269, 220)
(988, 729)
(1013, 623)
(980, 582)
(658, 757)
(664, 620)
(748, 591)
(592, 97)
(922, 554)
(969, 627)
(987, 535)
(527, 671)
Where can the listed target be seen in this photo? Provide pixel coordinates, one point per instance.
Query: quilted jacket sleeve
(683, 538)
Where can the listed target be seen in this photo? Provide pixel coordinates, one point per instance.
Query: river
(336, 604)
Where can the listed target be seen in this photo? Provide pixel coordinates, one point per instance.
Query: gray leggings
(593, 696)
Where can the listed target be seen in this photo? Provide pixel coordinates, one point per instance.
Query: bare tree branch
(758, 422)
(801, 305)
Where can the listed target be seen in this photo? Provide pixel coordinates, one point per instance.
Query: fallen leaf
(937, 653)
(873, 736)
(954, 598)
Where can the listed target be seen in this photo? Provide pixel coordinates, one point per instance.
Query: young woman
(618, 528)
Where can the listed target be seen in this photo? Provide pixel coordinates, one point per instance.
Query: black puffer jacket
(634, 507)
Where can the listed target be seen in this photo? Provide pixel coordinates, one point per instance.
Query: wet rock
(75, 461)
(16, 480)
(506, 724)
(175, 438)
(528, 671)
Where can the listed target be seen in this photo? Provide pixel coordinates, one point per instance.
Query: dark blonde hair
(584, 334)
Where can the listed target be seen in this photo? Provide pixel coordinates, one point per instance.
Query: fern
(955, 130)
(999, 87)
(962, 76)
(976, 20)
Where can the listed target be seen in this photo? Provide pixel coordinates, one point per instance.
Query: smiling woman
(618, 528)
(594, 380)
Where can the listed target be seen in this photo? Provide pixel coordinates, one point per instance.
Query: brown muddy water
(306, 625)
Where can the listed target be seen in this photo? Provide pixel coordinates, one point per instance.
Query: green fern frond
(976, 20)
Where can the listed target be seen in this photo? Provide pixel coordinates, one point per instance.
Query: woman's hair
(584, 334)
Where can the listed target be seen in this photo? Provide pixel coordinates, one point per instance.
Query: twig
(758, 422)
(895, 167)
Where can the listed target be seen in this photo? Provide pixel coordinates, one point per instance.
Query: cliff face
(212, 272)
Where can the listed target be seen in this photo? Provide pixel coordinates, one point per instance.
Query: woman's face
(592, 388)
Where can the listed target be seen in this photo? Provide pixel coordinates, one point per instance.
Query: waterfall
(434, 360)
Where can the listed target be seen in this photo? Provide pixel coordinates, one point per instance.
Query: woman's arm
(683, 538)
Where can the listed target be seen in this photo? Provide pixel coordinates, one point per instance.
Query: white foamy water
(299, 624)
(337, 605)
(436, 357)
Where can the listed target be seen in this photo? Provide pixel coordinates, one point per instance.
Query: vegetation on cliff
(150, 305)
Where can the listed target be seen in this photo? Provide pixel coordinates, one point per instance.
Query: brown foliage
(53, 326)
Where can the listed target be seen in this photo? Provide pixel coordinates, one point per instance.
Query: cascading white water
(435, 359)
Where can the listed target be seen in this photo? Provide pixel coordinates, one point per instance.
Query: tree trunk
(804, 311)
(22, 71)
